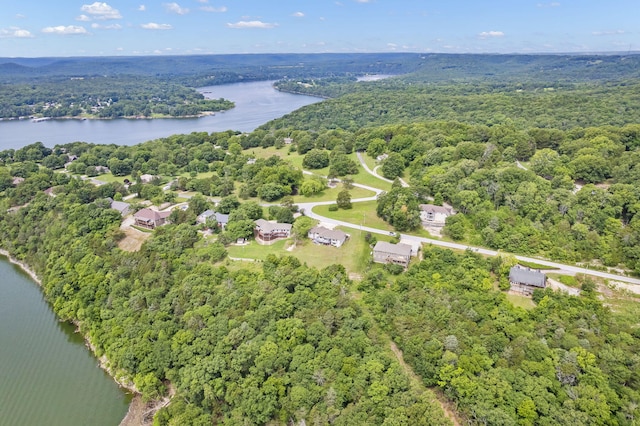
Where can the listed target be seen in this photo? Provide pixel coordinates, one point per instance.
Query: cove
(256, 103)
(47, 375)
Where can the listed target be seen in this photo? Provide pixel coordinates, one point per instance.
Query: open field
(330, 194)
(523, 302)
(354, 254)
(363, 213)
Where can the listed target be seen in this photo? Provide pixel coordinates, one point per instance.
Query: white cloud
(203, 1)
(14, 32)
(552, 4)
(251, 24)
(212, 9)
(106, 27)
(363, 1)
(83, 18)
(154, 26)
(487, 34)
(21, 16)
(120, 49)
(62, 30)
(298, 15)
(142, 8)
(176, 8)
(100, 10)
(607, 33)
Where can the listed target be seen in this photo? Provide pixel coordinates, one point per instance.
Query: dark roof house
(525, 280)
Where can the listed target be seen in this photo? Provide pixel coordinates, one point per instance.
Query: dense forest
(105, 97)
(531, 167)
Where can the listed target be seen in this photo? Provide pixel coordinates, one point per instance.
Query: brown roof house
(327, 237)
(150, 219)
(267, 232)
(434, 215)
(385, 252)
(525, 280)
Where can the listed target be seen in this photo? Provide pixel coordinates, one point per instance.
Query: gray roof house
(435, 215)
(525, 280)
(221, 219)
(328, 237)
(266, 231)
(385, 252)
(121, 206)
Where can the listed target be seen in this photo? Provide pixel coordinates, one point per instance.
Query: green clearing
(109, 178)
(257, 251)
(330, 194)
(354, 254)
(363, 213)
(519, 301)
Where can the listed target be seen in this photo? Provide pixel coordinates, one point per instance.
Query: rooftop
(397, 249)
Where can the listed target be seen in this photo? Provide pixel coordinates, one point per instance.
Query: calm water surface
(47, 375)
(256, 104)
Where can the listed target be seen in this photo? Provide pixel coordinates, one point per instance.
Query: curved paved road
(374, 173)
(308, 210)
(421, 240)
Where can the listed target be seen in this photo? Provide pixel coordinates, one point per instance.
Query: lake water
(47, 375)
(256, 104)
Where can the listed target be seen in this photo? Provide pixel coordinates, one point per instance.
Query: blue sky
(32, 28)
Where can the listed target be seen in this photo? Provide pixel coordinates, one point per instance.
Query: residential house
(328, 237)
(121, 206)
(150, 219)
(221, 219)
(146, 178)
(288, 141)
(525, 280)
(266, 232)
(434, 215)
(385, 252)
(17, 180)
(382, 157)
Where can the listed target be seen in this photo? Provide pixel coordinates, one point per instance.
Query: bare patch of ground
(133, 238)
(618, 285)
(141, 413)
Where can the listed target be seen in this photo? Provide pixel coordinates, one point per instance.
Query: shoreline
(132, 117)
(137, 408)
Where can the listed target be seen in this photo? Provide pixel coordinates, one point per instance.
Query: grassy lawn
(362, 213)
(371, 162)
(330, 194)
(254, 250)
(365, 178)
(354, 254)
(523, 302)
(108, 177)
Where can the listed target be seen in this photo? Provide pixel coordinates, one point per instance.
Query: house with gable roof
(150, 219)
(525, 280)
(434, 215)
(327, 237)
(385, 252)
(266, 232)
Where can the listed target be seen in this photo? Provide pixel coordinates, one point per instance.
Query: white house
(328, 237)
(434, 215)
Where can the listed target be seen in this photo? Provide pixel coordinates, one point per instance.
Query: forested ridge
(551, 173)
